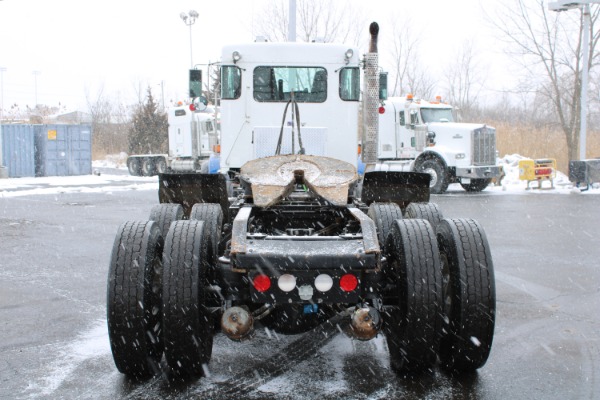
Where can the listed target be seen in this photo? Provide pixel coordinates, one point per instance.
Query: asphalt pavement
(54, 255)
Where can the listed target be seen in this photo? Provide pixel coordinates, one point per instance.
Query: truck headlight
(459, 156)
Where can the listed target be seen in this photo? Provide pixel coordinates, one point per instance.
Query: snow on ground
(103, 183)
(95, 183)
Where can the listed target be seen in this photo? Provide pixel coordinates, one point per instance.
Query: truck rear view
(283, 238)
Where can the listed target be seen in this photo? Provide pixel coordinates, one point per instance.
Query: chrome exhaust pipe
(237, 324)
(365, 323)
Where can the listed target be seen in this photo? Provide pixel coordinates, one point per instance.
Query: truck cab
(422, 135)
(193, 136)
(259, 80)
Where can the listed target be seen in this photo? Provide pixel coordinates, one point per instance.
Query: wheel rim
(434, 176)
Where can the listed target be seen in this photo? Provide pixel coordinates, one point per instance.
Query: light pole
(584, 5)
(189, 20)
(3, 170)
(35, 75)
(2, 71)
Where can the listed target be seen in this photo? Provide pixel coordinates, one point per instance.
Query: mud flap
(188, 189)
(401, 188)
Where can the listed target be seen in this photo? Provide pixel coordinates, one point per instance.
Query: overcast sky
(81, 46)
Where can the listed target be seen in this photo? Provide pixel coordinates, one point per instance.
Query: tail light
(348, 282)
(323, 283)
(262, 283)
(286, 282)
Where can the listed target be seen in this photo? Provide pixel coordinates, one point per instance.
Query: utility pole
(3, 169)
(584, 5)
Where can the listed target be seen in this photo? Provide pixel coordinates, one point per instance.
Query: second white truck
(193, 138)
(419, 135)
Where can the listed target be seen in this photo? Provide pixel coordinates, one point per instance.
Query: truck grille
(484, 146)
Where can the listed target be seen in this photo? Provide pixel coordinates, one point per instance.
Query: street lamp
(189, 20)
(35, 75)
(584, 5)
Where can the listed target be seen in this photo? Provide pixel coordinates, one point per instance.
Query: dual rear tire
(444, 303)
(158, 293)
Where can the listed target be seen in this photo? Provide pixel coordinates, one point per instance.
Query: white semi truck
(420, 135)
(193, 140)
(295, 247)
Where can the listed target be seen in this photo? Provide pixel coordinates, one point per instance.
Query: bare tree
(110, 124)
(327, 20)
(549, 47)
(408, 73)
(463, 81)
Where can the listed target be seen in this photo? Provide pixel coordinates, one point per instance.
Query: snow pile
(512, 184)
(112, 161)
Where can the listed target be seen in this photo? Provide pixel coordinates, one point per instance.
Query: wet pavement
(54, 254)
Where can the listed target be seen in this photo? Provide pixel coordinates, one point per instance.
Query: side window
(231, 82)
(414, 117)
(349, 84)
(401, 115)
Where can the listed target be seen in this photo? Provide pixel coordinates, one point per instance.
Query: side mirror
(200, 103)
(383, 86)
(195, 83)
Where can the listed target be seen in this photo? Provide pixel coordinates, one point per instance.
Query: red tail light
(348, 282)
(262, 283)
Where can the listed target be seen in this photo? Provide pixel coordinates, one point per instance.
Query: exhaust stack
(370, 139)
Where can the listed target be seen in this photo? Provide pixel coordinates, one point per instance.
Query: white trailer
(420, 135)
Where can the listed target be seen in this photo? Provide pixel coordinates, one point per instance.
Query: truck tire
(427, 211)
(212, 214)
(148, 167)
(476, 185)
(439, 175)
(384, 215)
(187, 324)
(412, 324)
(469, 294)
(133, 299)
(164, 214)
(161, 165)
(134, 165)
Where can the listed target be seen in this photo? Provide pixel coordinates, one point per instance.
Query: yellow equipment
(538, 171)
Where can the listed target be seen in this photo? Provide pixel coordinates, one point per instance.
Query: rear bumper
(305, 260)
